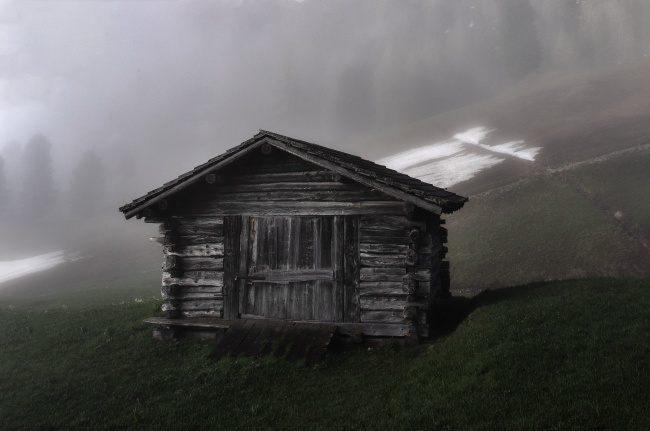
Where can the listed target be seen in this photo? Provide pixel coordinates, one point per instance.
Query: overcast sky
(172, 83)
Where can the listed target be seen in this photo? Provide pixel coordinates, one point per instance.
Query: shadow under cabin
(285, 230)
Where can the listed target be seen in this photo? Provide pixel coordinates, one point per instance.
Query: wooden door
(289, 268)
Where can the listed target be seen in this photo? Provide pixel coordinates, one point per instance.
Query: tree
(38, 194)
(5, 192)
(519, 39)
(88, 188)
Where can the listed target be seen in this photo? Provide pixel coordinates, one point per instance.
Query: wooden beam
(267, 149)
(368, 329)
(151, 213)
(270, 208)
(196, 323)
(212, 178)
(300, 177)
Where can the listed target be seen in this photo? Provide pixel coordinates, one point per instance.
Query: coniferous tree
(519, 38)
(88, 188)
(5, 192)
(38, 193)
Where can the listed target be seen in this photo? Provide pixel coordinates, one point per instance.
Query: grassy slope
(117, 262)
(556, 226)
(621, 184)
(524, 224)
(570, 355)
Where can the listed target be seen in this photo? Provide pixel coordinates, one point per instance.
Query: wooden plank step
(283, 339)
(260, 345)
(231, 340)
(196, 322)
(369, 329)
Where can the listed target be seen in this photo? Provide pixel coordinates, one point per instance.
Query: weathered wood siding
(400, 260)
(388, 256)
(295, 261)
(192, 281)
(280, 184)
(260, 184)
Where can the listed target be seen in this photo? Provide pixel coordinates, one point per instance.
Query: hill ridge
(569, 166)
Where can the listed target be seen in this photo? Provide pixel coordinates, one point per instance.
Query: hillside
(569, 356)
(555, 168)
(591, 220)
(105, 259)
(571, 116)
(556, 171)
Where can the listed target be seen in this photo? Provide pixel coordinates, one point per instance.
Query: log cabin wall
(279, 183)
(393, 254)
(192, 281)
(400, 259)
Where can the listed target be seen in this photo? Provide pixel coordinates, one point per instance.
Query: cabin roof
(393, 183)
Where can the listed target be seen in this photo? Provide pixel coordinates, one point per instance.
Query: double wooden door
(290, 267)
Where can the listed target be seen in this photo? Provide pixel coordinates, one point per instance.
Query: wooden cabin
(278, 228)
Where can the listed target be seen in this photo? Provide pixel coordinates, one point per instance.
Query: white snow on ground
(473, 136)
(515, 148)
(450, 162)
(453, 170)
(412, 157)
(18, 268)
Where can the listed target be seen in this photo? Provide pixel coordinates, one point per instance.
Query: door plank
(232, 228)
(294, 268)
(244, 246)
(352, 265)
(292, 275)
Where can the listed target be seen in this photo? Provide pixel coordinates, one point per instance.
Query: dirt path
(598, 159)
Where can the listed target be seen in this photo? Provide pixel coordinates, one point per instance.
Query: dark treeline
(31, 190)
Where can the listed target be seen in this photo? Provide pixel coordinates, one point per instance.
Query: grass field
(566, 355)
(556, 226)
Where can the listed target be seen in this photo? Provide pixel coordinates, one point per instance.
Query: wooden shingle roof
(393, 183)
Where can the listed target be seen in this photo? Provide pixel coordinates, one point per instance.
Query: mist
(124, 96)
(167, 85)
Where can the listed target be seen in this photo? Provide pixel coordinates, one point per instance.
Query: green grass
(567, 355)
(558, 226)
(622, 184)
(90, 290)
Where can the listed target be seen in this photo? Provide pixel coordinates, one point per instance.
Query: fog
(130, 94)
(168, 84)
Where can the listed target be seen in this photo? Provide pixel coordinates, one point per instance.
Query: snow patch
(12, 269)
(453, 170)
(473, 136)
(517, 149)
(415, 156)
(450, 162)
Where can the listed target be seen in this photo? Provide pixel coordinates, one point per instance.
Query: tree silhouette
(5, 192)
(519, 38)
(88, 188)
(38, 193)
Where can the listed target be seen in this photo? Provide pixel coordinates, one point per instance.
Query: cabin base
(349, 333)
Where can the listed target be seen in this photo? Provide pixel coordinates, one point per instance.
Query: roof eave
(305, 151)
(131, 210)
(362, 179)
